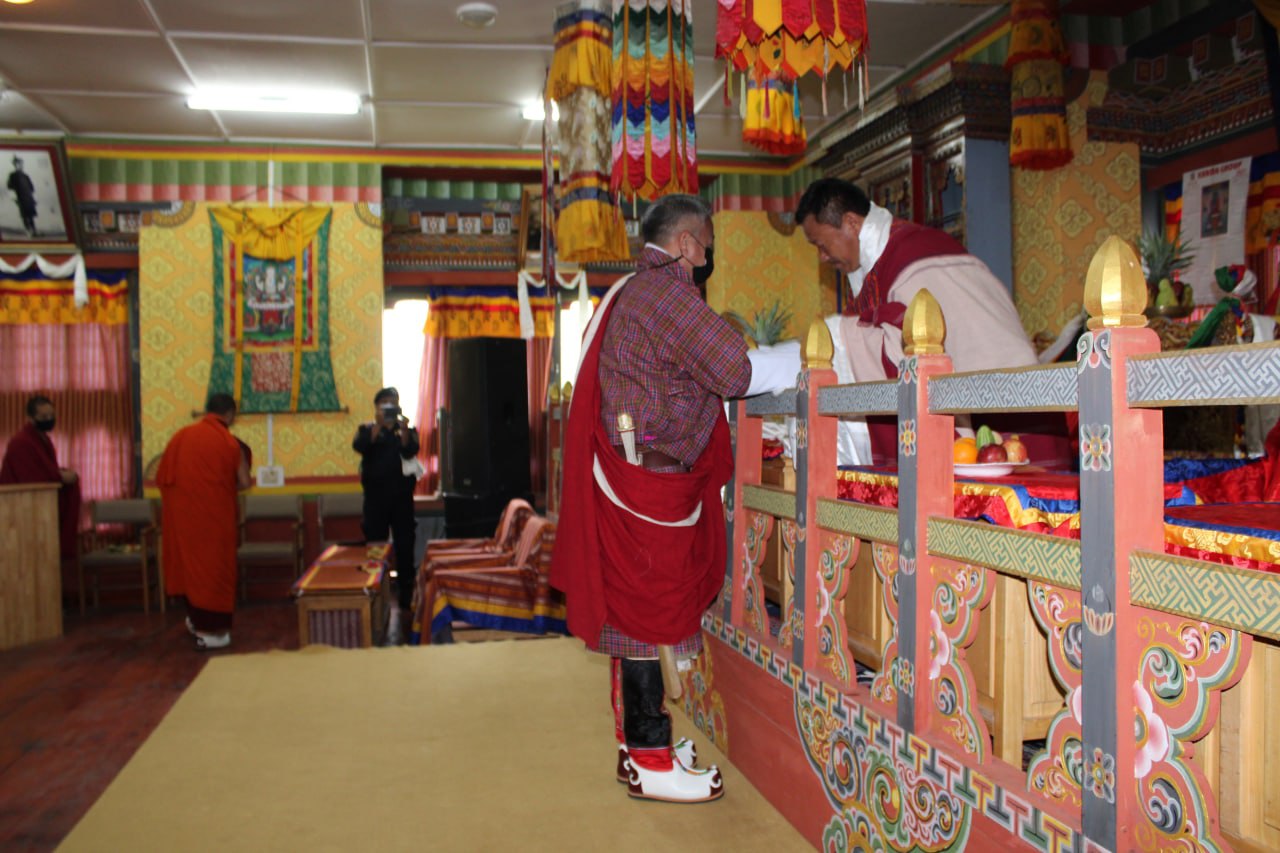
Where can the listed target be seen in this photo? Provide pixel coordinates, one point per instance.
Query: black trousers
(392, 511)
(645, 721)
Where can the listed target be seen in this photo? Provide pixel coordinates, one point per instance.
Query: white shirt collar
(872, 239)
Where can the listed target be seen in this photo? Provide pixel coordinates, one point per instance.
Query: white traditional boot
(684, 751)
(675, 784)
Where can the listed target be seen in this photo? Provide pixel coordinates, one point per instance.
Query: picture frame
(529, 237)
(37, 210)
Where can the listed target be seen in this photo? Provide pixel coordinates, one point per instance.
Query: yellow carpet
(469, 747)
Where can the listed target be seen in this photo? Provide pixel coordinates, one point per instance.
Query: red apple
(992, 453)
(1015, 449)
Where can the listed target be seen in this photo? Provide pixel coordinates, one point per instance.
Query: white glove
(773, 368)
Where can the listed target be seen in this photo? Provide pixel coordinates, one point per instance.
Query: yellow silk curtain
(52, 302)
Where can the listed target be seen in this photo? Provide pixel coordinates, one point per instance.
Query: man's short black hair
(385, 394)
(669, 214)
(220, 404)
(829, 199)
(36, 402)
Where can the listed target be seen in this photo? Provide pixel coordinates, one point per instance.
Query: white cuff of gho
(773, 368)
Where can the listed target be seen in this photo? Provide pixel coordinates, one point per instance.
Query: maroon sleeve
(27, 460)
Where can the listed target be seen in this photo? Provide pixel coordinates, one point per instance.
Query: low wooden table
(340, 598)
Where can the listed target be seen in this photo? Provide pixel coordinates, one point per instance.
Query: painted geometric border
(1051, 559)
(874, 523)
(782, 403)
(1010, 810)
(1246, 599)
(863, 398)
(1051, 388)
(768, 500)
(1244, 374)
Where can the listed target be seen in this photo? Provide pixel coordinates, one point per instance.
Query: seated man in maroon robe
(30, 458)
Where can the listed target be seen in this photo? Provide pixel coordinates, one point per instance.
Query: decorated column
(1117, 444)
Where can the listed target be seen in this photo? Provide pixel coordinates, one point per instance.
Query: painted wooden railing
(1141, 644)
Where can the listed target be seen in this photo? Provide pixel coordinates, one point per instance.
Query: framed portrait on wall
(36, 209)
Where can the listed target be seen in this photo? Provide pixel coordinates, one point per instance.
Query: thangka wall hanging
(1038, 138)
(589, 226)
(654, 143)
(271, 308)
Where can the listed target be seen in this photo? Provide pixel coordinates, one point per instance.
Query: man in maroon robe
(30, 458)
(887, 262)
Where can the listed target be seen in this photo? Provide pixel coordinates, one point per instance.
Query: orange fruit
(965, 451)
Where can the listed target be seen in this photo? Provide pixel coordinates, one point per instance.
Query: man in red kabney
(30, 458)
(640, 552)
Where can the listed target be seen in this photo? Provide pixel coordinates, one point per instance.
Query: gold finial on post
(566, 394)
(553, 395)
(818, 348)
(1115, 292)
(923, 328)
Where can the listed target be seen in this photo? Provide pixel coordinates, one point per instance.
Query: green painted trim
(1036, 556)
(768, 500)
(874, 523)
(1245, 599)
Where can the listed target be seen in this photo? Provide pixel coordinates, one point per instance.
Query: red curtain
(84, 369)
(538, 362)
(433, 395)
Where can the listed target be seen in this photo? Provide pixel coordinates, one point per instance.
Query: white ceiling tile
(18, 113)
(327, 19)
(433, 74)
(433, 126)
(48, 60)
(353, 129)
(519, 22)
(159, 116)
(220, 62)
(116, 14)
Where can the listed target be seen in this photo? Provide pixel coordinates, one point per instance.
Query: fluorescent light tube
(249, 100)
(533, 111)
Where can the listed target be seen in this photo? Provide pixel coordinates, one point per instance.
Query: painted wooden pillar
(1118, 445)
(925, 486)
(820, 645)
(747, 434)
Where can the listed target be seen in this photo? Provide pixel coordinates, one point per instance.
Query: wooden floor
(74, 710)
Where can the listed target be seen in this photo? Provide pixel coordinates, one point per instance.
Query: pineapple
(1164, 259)
(767, 327)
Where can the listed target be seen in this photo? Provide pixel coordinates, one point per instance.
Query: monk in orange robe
(200, 474)
(30, 458)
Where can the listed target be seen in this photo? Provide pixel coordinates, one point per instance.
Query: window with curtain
(79, 358)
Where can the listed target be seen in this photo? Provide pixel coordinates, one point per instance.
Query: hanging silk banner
(589, 226)
(786, 39)
(1038, 138)
(773, 121)
(654, 143)
(271, 308)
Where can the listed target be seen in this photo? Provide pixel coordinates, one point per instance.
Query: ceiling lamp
(256, 101)
(18, 2)
(478, 16)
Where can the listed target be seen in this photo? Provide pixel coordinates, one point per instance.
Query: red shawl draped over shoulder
(648, 579)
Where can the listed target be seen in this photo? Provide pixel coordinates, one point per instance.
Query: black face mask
(702, 273)
(45, 426)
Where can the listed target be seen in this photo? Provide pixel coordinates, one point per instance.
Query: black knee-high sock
(645, 721)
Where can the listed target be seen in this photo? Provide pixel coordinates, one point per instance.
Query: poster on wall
(1213, 210)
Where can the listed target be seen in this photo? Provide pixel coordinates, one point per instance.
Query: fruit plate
(987, 470)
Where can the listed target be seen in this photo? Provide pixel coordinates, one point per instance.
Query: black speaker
(487, 446)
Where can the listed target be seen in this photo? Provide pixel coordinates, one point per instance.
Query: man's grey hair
(670, 215)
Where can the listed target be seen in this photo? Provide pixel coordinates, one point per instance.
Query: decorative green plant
(767, 327)
(1164, 259)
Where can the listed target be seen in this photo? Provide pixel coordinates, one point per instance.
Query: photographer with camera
(387, 448)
